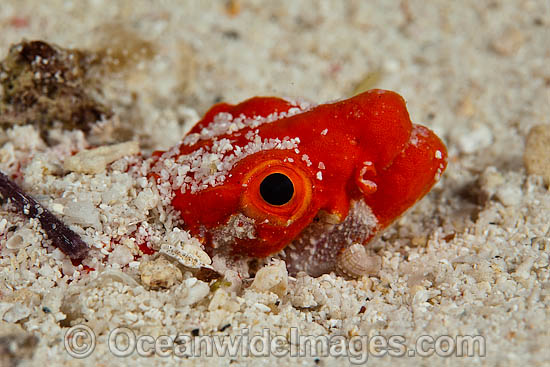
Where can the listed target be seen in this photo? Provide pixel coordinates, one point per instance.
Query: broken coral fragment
(188, 255)
(96, 160)
(537, 152)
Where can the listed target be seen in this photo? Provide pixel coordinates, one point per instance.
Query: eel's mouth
(315, 251)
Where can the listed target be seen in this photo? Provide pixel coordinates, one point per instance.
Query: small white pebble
(3, 224)
(390, 65)
(474, 139)
(319, 176)
(142, 182)
(159, 273)
(272, 278)
(58, 208)
(509, 195)
(190, 282)
(324, 132)
(306, 159)
(262, 307)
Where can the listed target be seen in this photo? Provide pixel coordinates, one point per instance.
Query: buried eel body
(312, 184)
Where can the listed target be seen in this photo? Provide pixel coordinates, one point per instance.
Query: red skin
(373, 126)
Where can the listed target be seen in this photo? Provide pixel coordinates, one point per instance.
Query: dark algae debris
(44, 84)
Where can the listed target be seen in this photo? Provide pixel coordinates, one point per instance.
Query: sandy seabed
(470, 259)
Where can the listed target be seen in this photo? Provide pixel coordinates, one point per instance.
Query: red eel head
(255, 177)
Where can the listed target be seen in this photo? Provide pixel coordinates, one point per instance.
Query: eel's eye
(276, 192)
(277, 189)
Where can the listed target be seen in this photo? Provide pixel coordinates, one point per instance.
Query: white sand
(469, 259)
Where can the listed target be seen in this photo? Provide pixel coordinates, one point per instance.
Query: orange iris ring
(253, 204)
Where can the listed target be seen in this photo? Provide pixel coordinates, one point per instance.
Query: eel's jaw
(316, 250)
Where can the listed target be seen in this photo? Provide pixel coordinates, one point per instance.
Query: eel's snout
(409, 176)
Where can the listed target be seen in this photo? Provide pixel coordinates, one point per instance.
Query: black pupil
(276, 189)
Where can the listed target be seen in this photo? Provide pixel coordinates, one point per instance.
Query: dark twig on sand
(62, 237)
